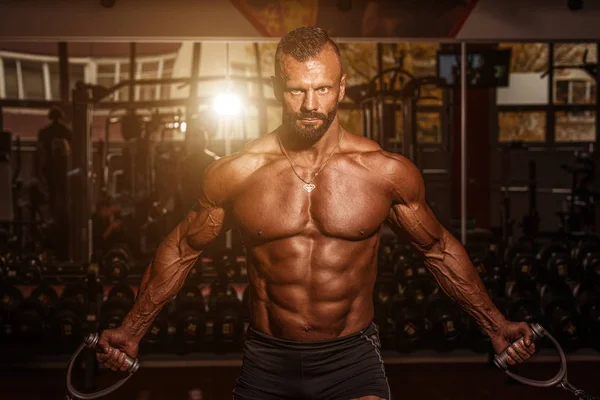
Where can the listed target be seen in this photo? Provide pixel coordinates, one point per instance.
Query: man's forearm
(160, 283)
(452, 268)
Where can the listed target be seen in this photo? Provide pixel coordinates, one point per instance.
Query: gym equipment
(246, 312)
(386, 255)
(409, 323)
(11, 299)
(116, 264)
(190, 318)
(587, 301)
(69, 317)
(580, 203)
(409, 269)
(6, 176)
(442, 322)
(91, 342)
(226, 310)
(32, 316)
(156, 336)
(586, 255)
(554, 259)
(520, 259)
(30, 269)
(559, 314)
(119, 302)
(522, 301)
(559, 380)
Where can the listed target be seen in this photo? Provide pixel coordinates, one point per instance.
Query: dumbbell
(246, 311)
(409, 326)
(587, 301)
(195, 275)
(555, 260)
(226, 309)
(587, 258)
(522, 301)
(156, 336)
(32, 317)
(116, 264)
(69, 317)
(11, 299)
(559, 313)
(190, 319)
(385, 255)
(226, 264)
(30, 270)
(416, 293)
(408, 269)
(442, 322)
(385, 295)
(520, 258)
(119, 301)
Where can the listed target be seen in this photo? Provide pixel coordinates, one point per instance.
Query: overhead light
(227, 104)
(183, 127)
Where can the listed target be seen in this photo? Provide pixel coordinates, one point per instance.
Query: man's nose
(310, 102)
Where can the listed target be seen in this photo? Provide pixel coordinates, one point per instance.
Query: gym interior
(110, 110)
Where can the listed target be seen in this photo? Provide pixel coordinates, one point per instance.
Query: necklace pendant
(309, 187)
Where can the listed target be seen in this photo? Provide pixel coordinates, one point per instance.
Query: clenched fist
(114, 345)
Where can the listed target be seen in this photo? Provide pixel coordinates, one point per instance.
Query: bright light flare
(227, 104)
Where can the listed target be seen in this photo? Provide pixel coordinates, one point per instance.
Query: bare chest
(347, 203)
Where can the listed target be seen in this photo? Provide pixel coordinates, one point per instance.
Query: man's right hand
(114, 345)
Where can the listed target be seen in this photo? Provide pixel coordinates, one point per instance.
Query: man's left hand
(518, 332)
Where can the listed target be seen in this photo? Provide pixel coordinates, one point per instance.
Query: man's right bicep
(202, 225)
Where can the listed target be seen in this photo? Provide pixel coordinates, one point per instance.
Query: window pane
(575, 126)
(359, 61)
(515, 126)
(54, 80)
(149, 71)
(105, 76)
(242, 60)
(526, 84)
(167, 73)
(574, 86)
(33, 80)
(124, 76)
(573, 53)
(429, 127)
(11, 83)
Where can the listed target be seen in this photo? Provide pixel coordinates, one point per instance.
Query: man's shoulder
(224, 175)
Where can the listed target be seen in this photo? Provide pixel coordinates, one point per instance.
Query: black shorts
(339, 369)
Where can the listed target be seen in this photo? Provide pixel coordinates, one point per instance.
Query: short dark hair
(302, 44)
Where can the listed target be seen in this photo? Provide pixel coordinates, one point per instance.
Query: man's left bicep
(416, 223)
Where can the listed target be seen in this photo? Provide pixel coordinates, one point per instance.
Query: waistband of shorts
(255, 335)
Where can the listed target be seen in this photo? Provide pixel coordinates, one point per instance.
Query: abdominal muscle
(302, 294)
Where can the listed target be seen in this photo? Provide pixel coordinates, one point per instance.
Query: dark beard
(310, 133)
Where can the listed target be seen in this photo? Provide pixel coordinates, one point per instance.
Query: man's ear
(342, 87)
(277, 88)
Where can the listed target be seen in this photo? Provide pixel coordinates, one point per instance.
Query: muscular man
(310, 199)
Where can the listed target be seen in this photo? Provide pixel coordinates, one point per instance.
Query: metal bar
(132, 76)
(262, 109)
(63, 71)
(193, 81)
(463, 143)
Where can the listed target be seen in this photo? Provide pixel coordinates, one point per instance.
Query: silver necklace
(309, 186)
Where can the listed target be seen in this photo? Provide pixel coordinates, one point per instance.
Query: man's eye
(295, 91)
(323, 90)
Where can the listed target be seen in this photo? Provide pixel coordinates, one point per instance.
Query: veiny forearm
(453, 270)
(160, 283)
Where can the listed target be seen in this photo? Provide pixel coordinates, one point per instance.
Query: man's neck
(307, 151)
